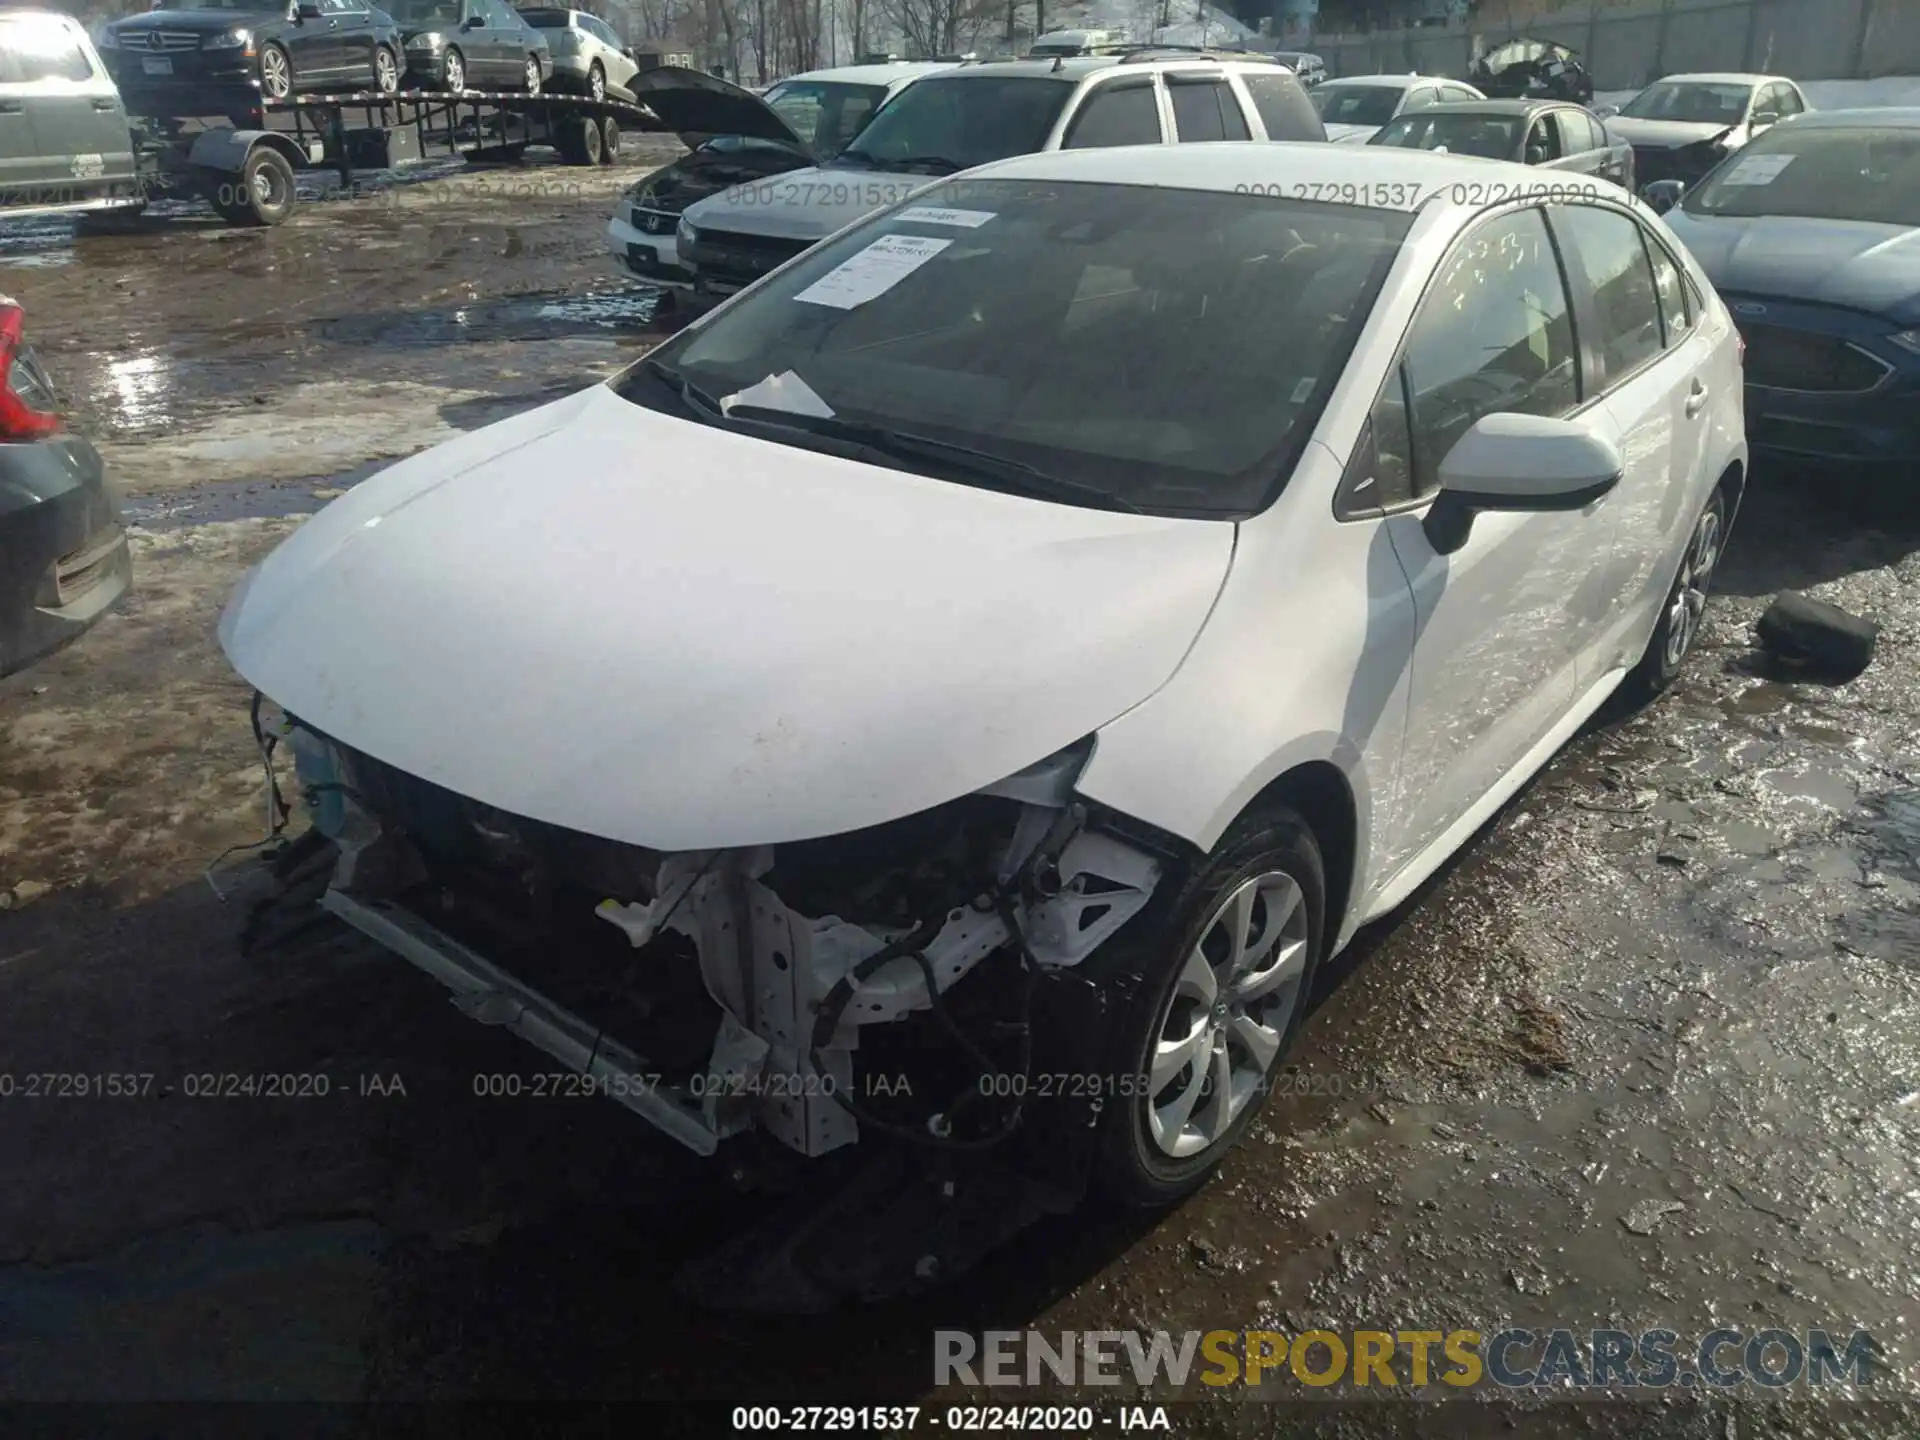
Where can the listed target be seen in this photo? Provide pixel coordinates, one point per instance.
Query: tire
(579, 141)
(261, 194)
(530, 75)
(609, 140)
(1268, 877)
(276, 72)
(386, 71)
(453, 72)
(1684, 607)
(597, 80)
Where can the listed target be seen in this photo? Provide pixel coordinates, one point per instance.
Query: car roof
(1400, 82)
(1305, 166)
(1499, 107)
(1720, 77)
(872, 74)
(1078, 67)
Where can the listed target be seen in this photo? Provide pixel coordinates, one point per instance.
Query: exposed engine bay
(879, 983)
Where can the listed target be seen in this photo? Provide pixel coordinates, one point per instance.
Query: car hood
(1872, 268)
(646, 629)
(1352, 134)
(697, 107)
(203, 22)
(807, 204)
(1663, 134)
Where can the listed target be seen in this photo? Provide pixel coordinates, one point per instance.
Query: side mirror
(306, 10)
(1663, 195)
(1518, 462)
(1606, 112)
(1763, 118)
(472, 22)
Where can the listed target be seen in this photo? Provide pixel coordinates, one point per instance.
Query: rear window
(1356, 104)
(1283, 106)
(1169, 348)
(546, 19)
(40, 47)
(1491, 137)
(944, 124)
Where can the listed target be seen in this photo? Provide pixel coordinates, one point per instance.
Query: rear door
(1205, 108)
(61, 120)
(1577, 152)
(352, 40)
(1649, 367)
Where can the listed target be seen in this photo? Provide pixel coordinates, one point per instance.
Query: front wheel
(276, 72)
(1685, 608)
(386, 71)
(1217, 989)
(597, 80)
(532, 75)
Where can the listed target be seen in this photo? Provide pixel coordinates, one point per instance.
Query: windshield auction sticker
(936, 215)
(873, 271)
(1757, 170)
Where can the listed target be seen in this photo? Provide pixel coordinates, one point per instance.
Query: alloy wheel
(386, 73)
(456, 71)
(1688, 604)
(1230, 1009)
(533, 76)
(276, 76)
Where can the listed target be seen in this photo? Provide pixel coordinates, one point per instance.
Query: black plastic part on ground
(1832, 644)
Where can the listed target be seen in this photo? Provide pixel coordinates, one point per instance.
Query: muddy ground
(1683, 967)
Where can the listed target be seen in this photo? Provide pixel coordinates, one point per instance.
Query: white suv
(980, 113)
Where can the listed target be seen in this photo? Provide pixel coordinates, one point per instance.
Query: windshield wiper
(1000, 470)
(691, 395)
(854, 160)
(932, 164)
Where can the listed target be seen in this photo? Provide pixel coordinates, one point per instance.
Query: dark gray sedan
(1553, 134)
(63, 555)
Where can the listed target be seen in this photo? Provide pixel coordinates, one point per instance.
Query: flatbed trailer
(241, 151)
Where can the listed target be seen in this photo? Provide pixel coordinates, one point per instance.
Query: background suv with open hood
(736, 137)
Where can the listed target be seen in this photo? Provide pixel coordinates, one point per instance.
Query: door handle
(1697, 399)
(102, 103)
(12, 107)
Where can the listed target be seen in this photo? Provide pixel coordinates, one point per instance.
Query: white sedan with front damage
(959, 691)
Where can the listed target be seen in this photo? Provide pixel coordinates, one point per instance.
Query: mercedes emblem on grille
(153, 39)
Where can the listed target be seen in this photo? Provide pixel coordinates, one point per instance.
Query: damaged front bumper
(820, 993)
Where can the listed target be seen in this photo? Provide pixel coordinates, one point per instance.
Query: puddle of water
(527, 317)
(207, 504)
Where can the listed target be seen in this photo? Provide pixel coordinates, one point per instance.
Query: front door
(1505, 620)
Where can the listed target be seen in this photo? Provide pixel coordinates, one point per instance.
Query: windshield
(424, 12)
(1165, 347)
(1869, 173)
(946, 124)
(825, 116)
(1691, 102)
(1493, 137)
(1356, 104)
